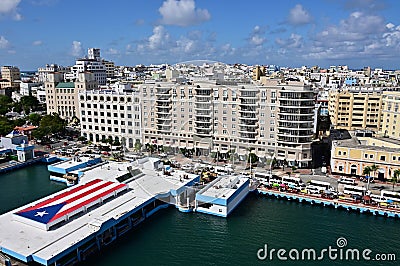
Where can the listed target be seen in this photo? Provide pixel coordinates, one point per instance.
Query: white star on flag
(41, 213)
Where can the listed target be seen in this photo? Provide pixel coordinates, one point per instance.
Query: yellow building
(390, 119)
(10, 77)
(355, 110)
(258, 72)
(350, 157)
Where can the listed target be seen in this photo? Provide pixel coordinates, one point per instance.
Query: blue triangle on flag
(42, 215)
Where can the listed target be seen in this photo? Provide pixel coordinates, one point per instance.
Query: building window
(383, 158)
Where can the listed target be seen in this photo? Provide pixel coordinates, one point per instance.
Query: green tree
(367, 171)
(51, 124)
(150, 147)
(19, 122)
(6, 126)
(34, 118)
(138, 145)
(374, 168)
(5, 104)
(253, 158)
(395, 178)
(29, 103)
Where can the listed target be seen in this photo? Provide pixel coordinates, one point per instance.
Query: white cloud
(18, 17)
(37, 43)
(294, 41)
(256, 38)
(299, 16)
(9, 7)
(182, 13)
(4, 43)
(113, 51)
(159, 38)
(76, 49)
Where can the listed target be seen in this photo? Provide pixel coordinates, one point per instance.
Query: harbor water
(258, 224)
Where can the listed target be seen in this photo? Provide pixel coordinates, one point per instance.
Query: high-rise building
(111, 115)
(91, 64)
(10, 77)
(390, 122)
(94, 54)
(355, 110)
(48, 69)
(274, 120)
(62, 97)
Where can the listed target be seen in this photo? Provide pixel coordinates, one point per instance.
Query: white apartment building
(275, 120)
(43, 72)
(111, 114)
(25, 88)
(91, 64)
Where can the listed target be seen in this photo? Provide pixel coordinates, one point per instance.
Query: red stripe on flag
(86, 202)
(90, 191)
(60, 196)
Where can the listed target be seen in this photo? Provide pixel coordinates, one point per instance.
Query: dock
(13, 165)
(334, 203)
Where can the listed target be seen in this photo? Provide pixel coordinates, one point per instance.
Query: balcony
(249, 96)
(203, 122)
(204, 107)
(294, 141)
(203, 128)
(163, 100)
(163, 123)
(165, 118)
(163, 90)
(202, 133)
(201, 114)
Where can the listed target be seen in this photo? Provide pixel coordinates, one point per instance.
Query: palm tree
(395, 178)
(367, 171)
(374, 168)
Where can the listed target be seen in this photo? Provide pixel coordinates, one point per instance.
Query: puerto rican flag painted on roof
(71, 201)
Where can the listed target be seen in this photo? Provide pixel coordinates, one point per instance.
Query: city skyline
(291, 33)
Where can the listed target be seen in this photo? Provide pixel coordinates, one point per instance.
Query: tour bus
(347, 181)
(262, 177)
(390, 195)
(321, 185)
(354, 190)
(293, 182)
(311, 189)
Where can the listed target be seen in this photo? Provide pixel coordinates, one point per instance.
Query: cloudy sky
(129, 32)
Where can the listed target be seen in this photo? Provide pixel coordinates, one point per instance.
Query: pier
(13, 165)
(335, 203)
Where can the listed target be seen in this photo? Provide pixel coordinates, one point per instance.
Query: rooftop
(65, 85)
(223, 187)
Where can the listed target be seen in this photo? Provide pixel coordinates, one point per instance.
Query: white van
(347, 181)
